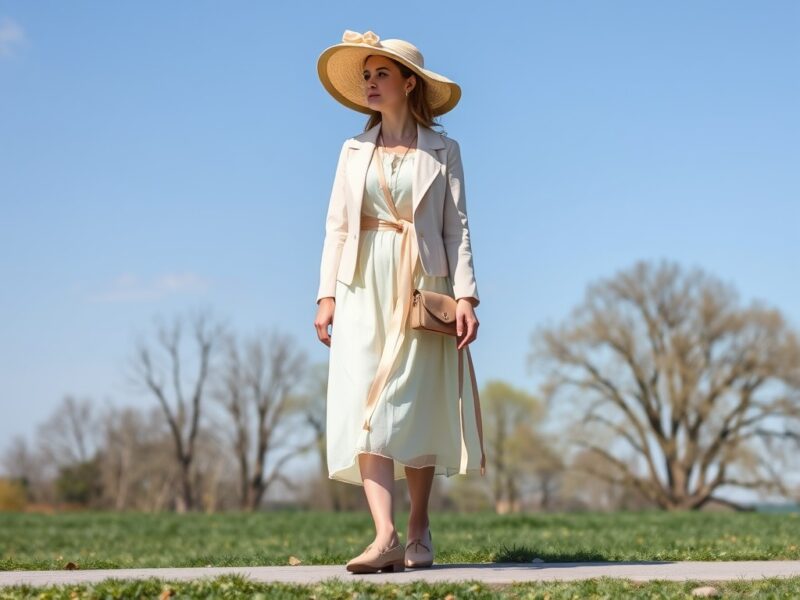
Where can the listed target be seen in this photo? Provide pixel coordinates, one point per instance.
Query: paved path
(488, 573)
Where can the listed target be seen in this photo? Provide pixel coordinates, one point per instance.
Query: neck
(397, 129)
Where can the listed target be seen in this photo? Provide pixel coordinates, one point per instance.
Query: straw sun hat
(340, 70)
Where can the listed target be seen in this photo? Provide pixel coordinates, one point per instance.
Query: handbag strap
(475, 399)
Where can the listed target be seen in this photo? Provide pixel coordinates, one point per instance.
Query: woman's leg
(377, 473)
(420, 481)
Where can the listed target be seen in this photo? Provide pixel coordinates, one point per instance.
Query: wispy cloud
(130, 288)
(11, 36)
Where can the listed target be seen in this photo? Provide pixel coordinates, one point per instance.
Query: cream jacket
(439, 209)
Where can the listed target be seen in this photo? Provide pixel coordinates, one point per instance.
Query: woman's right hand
(324, 318)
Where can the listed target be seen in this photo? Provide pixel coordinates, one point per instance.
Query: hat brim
(339, 70)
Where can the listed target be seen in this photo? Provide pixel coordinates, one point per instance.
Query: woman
(394, 408)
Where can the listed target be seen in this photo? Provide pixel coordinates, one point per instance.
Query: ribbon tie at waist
(409, 254)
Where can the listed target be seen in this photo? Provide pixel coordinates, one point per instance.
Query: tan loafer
(372, 560)
(419, 551)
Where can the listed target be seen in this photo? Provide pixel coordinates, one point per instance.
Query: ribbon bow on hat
(368, 37)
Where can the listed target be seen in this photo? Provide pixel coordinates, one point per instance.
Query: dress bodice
(398, 171)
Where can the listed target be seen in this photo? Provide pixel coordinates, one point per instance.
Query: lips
(373, 95)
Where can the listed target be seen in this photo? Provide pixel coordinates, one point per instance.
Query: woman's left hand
(466, 322)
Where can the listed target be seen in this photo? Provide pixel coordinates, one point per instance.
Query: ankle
(418, 529)
(389, 537)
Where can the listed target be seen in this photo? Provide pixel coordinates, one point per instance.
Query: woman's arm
(335, 232)
(455, 232)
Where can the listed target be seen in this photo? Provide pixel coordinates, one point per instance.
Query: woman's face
(384, 85)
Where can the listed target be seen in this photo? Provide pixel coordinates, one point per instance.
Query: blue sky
(159, 157)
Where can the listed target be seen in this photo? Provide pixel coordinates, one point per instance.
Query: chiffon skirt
(417, 416)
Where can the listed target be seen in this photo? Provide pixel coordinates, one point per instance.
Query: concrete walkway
(489, 573)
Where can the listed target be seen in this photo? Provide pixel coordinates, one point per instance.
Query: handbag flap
(441, 306)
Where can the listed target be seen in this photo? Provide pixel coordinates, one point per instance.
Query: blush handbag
(433, 311)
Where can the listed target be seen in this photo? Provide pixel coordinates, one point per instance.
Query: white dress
(417, 417)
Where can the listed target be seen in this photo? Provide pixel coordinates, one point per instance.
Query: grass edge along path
(490, 575)
(237, 586)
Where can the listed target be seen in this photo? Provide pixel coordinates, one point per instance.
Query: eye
(382, 73)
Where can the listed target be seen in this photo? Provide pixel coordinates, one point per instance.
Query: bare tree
(18, 460)
(590, 483)
(27, 465)
(68, 436)
(257, 385)
(537, 458)
(314, 413)
(670, 369)
(69, 443)
(137, 467)
(216, 471)
(517, 451)
(161, 375)
(120, 428)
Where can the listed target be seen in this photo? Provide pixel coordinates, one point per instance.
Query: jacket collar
(426, 138)
(428, 161)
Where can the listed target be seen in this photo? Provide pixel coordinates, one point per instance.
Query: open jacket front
(439, 209)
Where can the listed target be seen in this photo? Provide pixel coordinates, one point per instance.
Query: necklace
(380, 152)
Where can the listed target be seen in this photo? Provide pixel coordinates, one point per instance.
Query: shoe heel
(397, 566)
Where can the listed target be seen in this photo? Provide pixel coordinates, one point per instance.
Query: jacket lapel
(427, 162)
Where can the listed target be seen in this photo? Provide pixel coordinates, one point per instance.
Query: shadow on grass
(524, 554)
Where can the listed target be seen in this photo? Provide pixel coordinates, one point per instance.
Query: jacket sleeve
(335, 231)
(455, 229)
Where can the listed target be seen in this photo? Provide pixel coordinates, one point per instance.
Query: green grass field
(120, 540)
